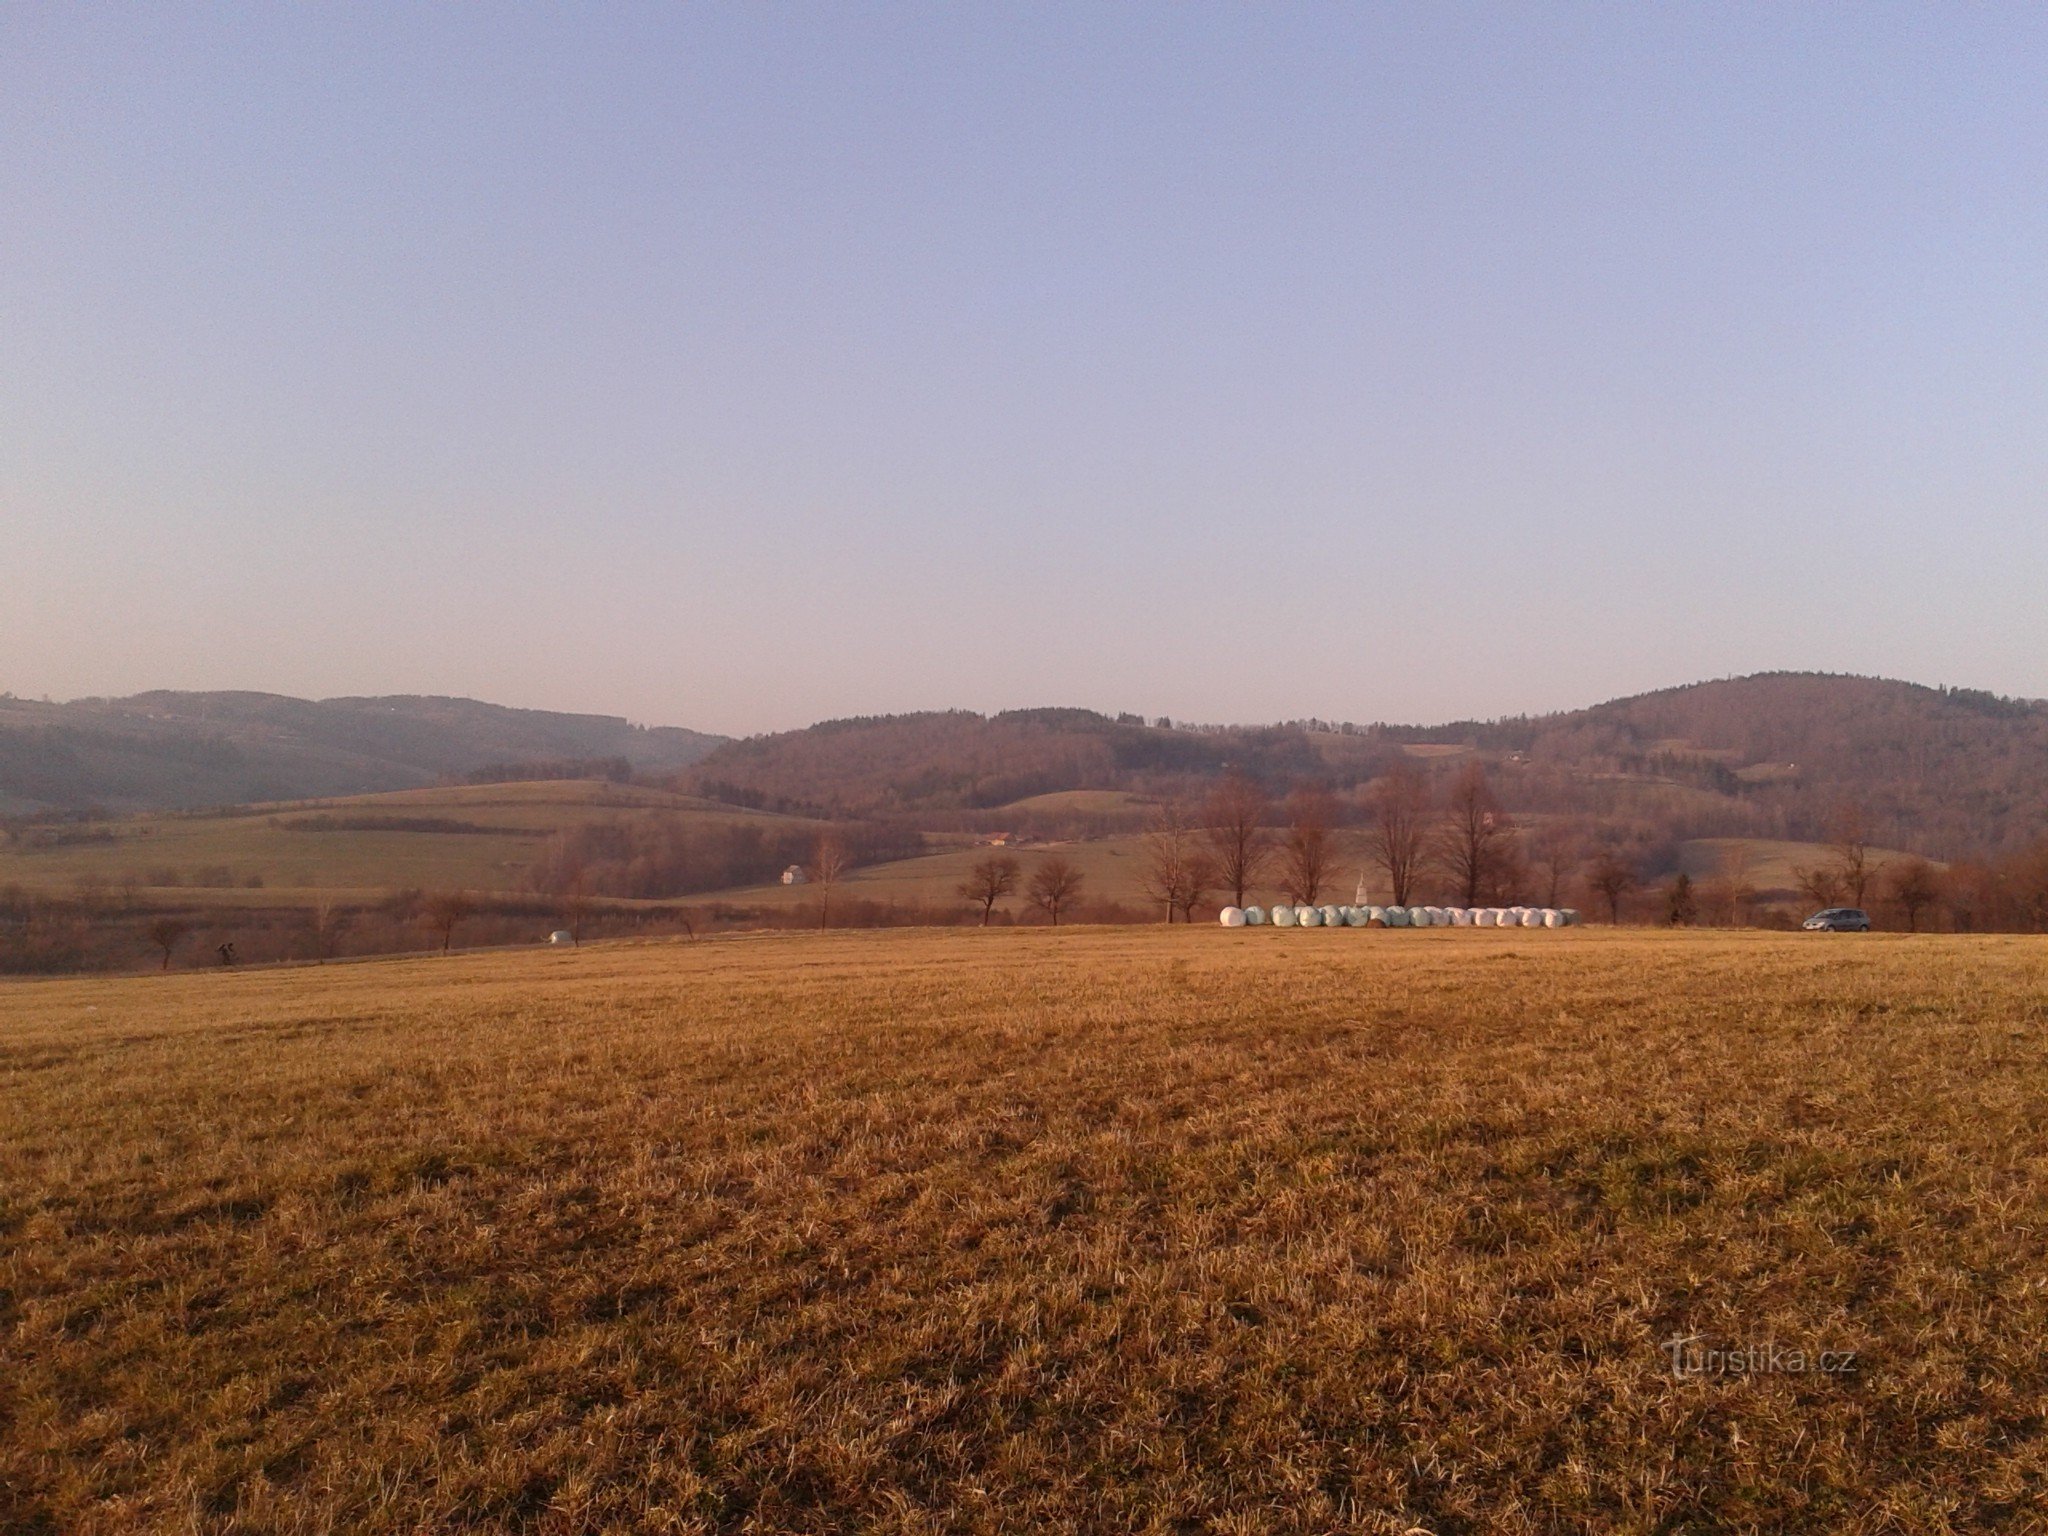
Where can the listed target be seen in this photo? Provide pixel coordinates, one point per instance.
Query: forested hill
(173, 750)
(957, 760)
(1947, 771)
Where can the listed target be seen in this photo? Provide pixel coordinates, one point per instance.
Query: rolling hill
(484, 837)
(1947, 772)
(166, 750)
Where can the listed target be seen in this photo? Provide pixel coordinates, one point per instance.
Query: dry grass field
(282, 846)
(1091, 1230)
(1772, 864)
(1112, 869)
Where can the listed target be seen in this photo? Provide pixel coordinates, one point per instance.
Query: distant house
(794, 875)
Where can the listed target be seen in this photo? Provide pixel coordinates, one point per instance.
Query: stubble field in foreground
(1090, 1230)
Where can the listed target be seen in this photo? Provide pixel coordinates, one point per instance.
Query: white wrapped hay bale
(1356, 917)
(1283, 915)
(1552, 918)
(1397, 917)
(1375, 917)
(1461, 917)
(1231, 917)
(1571, 917)
(1254, 917)
(1308, 917)
(1485, 917)
(1333, 917)
(1531, 918)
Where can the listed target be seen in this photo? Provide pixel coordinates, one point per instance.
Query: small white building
(794, 875)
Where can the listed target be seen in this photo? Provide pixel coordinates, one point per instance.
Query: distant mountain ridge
(169, 750)
(1949, 772)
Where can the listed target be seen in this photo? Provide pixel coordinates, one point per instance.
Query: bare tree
(1055, 884)
(1849, 837)
(1178, 872)
(165, 933)
(1477, 843)
(1915, 886)
(2026, 887)
(1821, 886)
(1398, 803)
(1558, 855)
(1235, 815)
(988, 882)
(325, 924)
(1612, 878)
(1681, 906)
(829, 860)
(1305, 846)
(443, 910)
(1165, 848)
(576, 902)
(1198, 878)
(1736, 886)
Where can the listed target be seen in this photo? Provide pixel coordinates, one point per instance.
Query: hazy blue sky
(738, 366)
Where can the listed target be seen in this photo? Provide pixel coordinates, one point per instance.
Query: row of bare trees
(1238, 843)
(1054, 886)
(1227, 846)
(1232, 846)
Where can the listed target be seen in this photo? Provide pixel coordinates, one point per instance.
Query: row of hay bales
(1284, 916)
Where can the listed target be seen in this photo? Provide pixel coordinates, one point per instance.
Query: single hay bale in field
(1485, 917)
(561, 936)
(1333, 917)
(1531, 918)
(1461, 917)
(1308, 917)
(1283, 915)
(1552, 918)
(1436, 916)
(1397, 917)
(1571, 917)
(1255, 917)
(1231, 917)
(1375, 917)
(1355, 917)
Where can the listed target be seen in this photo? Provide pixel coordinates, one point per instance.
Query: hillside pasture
(355, 844)
(1112, 868)
(1086, 802)
(1772, 865)
(1137, 1230)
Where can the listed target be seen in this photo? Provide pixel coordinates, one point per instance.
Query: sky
(741, 366)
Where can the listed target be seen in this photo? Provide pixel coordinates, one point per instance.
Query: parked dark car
(1838, 920)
